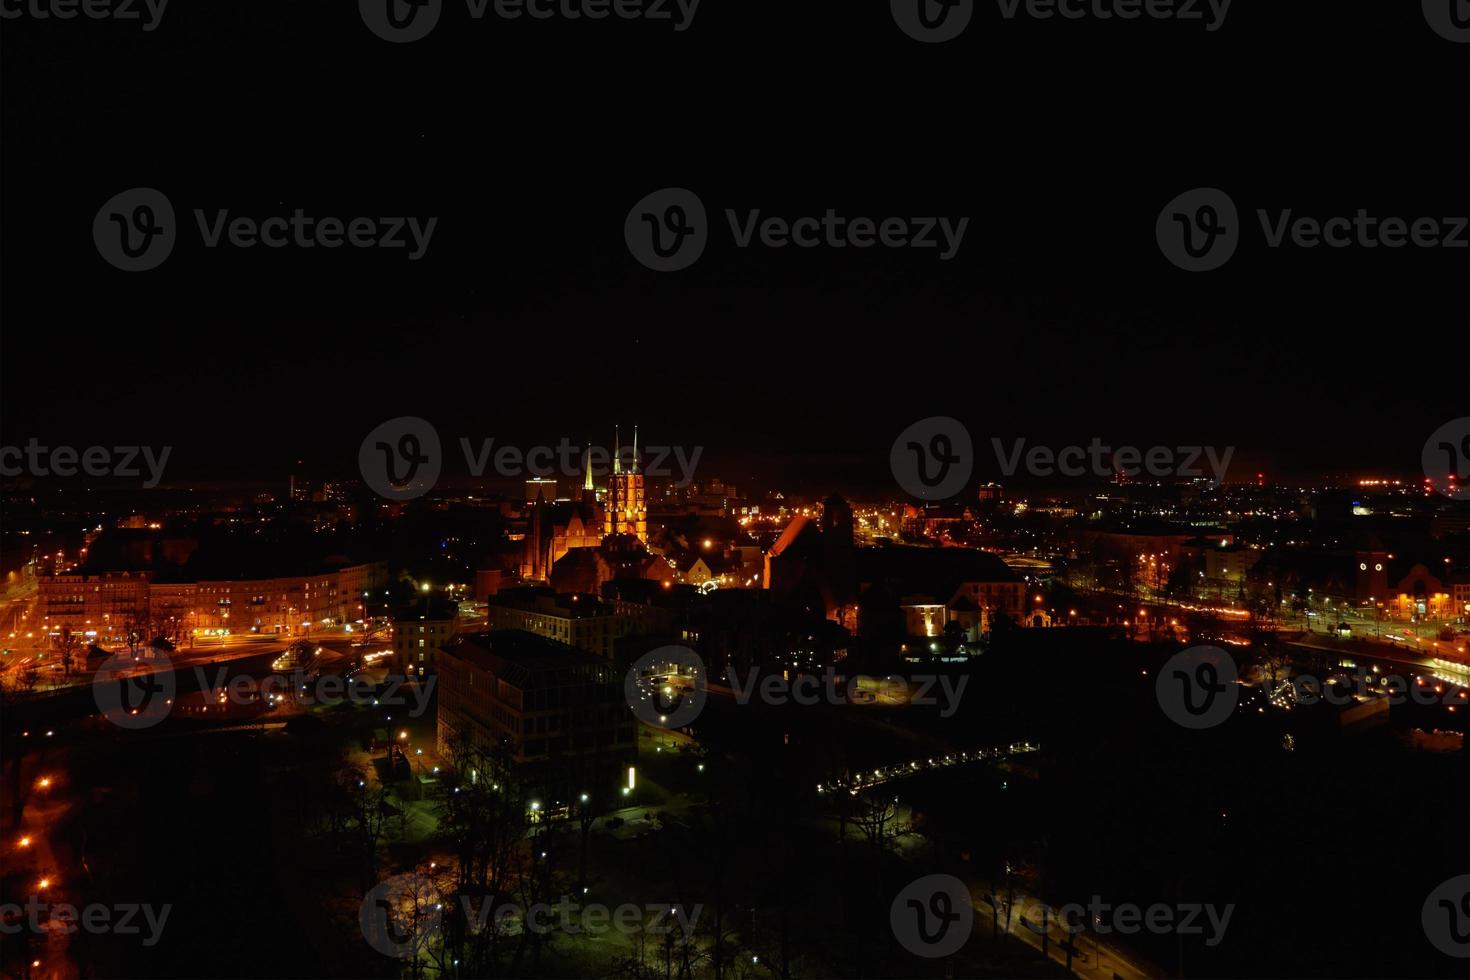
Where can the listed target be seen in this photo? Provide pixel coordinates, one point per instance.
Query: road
(1093, 960)
(1360, 649)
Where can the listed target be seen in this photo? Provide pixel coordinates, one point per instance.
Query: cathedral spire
(587, 466)
(617, 452)
(635, 448)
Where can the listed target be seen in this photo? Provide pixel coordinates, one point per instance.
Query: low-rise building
(1460, 594)
(935, 586)
(576, 619)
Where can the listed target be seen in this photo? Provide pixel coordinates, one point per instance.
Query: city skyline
(652, 489)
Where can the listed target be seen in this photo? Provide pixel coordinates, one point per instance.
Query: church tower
(627, 510)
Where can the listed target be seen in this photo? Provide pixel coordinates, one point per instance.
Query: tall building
(559, 712)
(420, 630)
(627, 509)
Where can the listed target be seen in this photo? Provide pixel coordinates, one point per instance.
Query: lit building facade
(1420, 594)
(420, 631)
(581, 621)
(108, 605)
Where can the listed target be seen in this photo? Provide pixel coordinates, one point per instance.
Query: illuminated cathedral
(627, 510)
(613, 518)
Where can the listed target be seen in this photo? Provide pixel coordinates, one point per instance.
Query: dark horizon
(527, 319)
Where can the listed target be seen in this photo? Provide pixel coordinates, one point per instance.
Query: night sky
(528, 319)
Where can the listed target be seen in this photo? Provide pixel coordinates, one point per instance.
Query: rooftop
(930, 571)
(518, 657)
(568, 605)
(427, 607)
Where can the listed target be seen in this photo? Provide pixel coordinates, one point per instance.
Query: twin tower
(626, 507)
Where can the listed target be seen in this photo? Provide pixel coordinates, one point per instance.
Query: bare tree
(366, 813)
(69, 644)
(483, 811)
